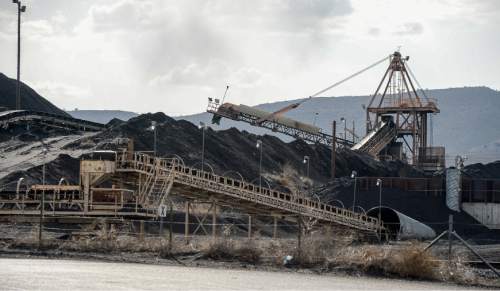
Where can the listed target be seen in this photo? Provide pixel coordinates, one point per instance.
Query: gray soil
(47, 274)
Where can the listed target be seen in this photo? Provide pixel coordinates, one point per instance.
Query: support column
(105, 228)
(250, 226)
(275, 227)
(299, 236)
(170, 226)
(186, 222)
(86, 192)
(141, 230)
(214, 220)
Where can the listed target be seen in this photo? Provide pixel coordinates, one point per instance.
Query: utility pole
(259, 146)
(334, 148)
(202, 126)
(20, 9)
(153, 128)
(345, 127)
(379, 184)
(354, 175)
(353, 132)
(307, 161)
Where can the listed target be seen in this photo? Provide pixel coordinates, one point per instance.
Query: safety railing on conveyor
(249, 192)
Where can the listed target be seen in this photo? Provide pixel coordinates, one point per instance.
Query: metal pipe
(401, 226)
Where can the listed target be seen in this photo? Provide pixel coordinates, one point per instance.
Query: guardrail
(246, 191)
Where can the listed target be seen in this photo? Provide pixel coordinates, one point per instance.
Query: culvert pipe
(400, 226)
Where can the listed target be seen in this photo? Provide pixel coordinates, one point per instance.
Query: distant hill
(468, 119)
(30, 100)
(102, 116)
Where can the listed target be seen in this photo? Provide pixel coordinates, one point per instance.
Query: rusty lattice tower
(401, 102)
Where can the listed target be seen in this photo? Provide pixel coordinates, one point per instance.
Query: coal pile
(486, 171)
(234, 150)
(63, 166)
(30, 100)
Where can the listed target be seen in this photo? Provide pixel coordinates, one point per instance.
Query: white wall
(486, 213)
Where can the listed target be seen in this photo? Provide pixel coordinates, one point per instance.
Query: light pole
(259, 146)
(379, 184)
(20, 9)
(353, 132)
(153, 128)
(202, 126)
(345, 127)
(306, 161)
(42, 200)
(354, 175)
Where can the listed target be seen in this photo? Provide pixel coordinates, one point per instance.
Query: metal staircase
(191, 182)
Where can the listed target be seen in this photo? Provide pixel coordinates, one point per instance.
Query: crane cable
(225, 93)
(348, 78)
(416, 81)
(295, 105)
(431, 125)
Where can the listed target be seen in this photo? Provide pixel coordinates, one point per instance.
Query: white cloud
(152, 55)
(410, 28)
(64, 95)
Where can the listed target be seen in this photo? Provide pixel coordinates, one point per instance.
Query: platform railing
(248, 192)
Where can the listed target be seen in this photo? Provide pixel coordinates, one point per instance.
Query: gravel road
(49, 274)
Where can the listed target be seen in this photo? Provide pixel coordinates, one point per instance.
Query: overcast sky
(148, 56)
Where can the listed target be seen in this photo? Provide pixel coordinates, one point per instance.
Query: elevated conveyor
(16, 117)
(148, 181)
(284, 125)
(377, 139)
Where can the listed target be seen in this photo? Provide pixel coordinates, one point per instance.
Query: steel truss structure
(140, 183)
(16, 117)
(400, 100)
(273, 125)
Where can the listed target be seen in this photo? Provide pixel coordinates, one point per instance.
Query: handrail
(249, 191)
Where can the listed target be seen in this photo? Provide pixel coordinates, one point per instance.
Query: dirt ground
(57, 274)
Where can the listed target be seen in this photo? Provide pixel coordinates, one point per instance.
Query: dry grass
(290, 179)
(324, 250)
(405, 262)
(234, 251)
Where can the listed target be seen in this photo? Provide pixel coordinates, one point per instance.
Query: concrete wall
(485, 213)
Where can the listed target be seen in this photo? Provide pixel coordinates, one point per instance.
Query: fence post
(141, 229)
(170, 226)
(161, 227)
(275, 227)
(249, 226)
(214, 220)
(186, 222)
(450, 237)
(299, 236)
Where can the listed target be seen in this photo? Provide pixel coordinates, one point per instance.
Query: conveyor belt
(282, 125)
(13, 117)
